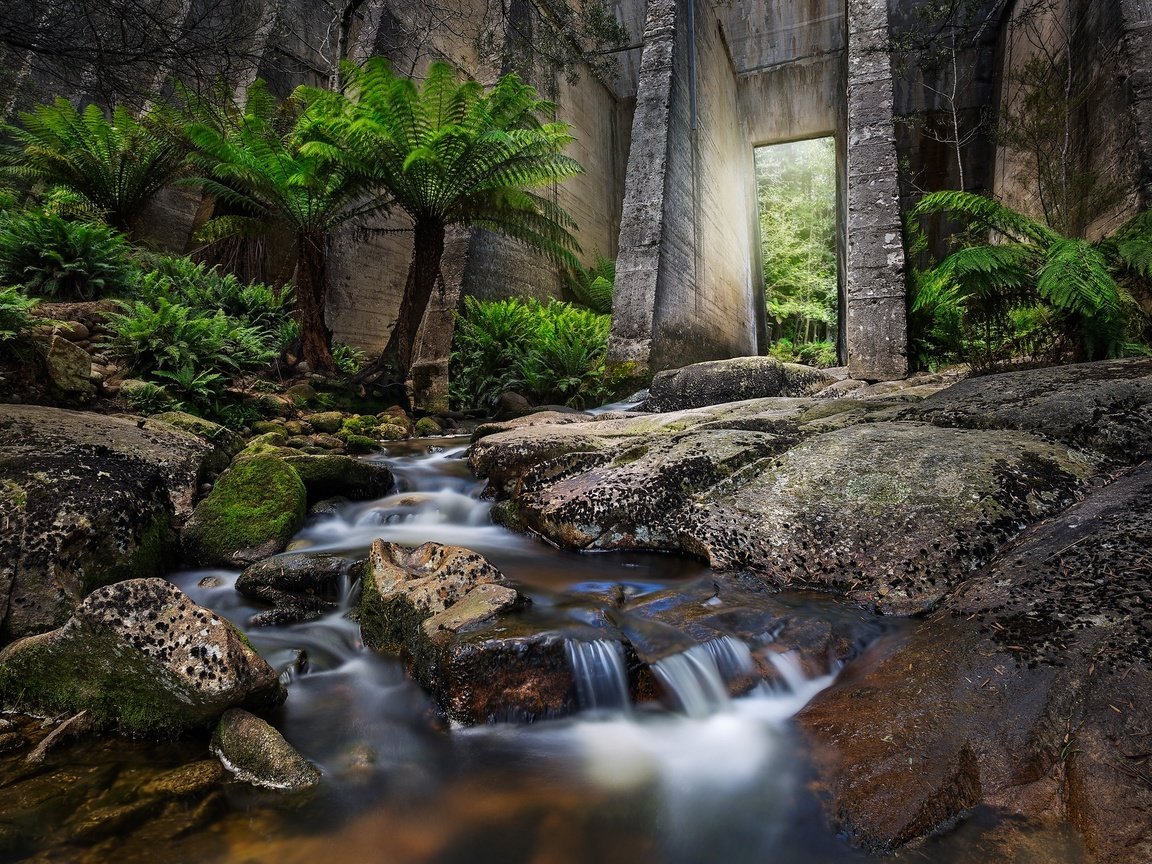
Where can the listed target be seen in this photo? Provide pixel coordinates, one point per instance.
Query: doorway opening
(796, 189)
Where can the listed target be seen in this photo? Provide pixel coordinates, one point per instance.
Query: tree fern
(450, 152)
(114, 164)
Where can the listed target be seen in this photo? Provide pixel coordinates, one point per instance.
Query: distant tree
(112, 165)
(450, 152)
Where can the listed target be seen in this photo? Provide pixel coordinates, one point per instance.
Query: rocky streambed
(950, 579)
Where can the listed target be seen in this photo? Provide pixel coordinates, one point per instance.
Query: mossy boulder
(252, 512)
(331, 475)
(260, 427)
(327, 421)
(301, 394)
(391, 432)
(427, 427)
(86, 500)
(225, 442)
(256, 753)
(141, 657)
(361, 443)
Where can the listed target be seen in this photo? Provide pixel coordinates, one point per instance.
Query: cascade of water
(733, 658)
(694, 681)
(601, 679)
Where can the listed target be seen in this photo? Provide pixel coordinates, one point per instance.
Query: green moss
(258, 503)
(273, 438)
(361, 424)
(392, 432)
(14, 494)
(261, 427)
(426, 426)
(361, 443)
(154, 556)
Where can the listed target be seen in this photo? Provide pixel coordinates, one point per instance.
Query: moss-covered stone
(252, 512)
(226, 442)
(427, 427)
(361, 443)
(260, 427)
(392, 432)
(330, 475)
(256, 753)
(141, 657)
(327, 421)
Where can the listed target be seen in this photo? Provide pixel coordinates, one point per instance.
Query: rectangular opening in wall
(796, 183)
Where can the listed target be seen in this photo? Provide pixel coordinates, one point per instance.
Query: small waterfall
(694, 681)
(791, 673)
(732, 657)
(601, 679)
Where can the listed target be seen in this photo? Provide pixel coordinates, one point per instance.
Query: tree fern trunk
(423, 274)
(311, 294)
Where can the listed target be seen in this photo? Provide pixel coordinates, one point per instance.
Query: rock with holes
(632, 497)
(1029, 692)
(404, 587)
(1106, 406)
(891, 514)
(719, 381)
(141, 657)
(87, 500)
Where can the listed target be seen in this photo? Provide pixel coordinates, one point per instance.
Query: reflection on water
(707, 779)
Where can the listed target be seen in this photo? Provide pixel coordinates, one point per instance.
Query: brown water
(702, 779)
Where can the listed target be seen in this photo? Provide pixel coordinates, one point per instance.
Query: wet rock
(140, 656)
(252, 512)
(891, 514)
(403, 587)
(86, 500)
(301, 587)
(256, 753)
(74, 727)
(426, 427)
(193, 779)
(720, 381)
(10, 741)
(505, 457)
(93, 824)
(481, 603)
(1106, 406)
(226, 444)
(1029, 691)
(632, 500)
(329, 476)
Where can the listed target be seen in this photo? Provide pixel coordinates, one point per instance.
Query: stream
(697, 777)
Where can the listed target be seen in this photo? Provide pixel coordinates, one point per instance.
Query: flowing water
(698, 777)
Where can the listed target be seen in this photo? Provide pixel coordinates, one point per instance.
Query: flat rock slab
(891, 514)
(1106, 406)
(1030, 690)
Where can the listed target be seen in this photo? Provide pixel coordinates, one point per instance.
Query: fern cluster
(593, 286)
(49, 256)
(16, 319)
(551, 354)
(1017, 289)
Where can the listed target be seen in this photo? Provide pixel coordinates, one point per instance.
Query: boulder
(300, 587)
(141, 657)
(329, 476)
(252, 512)
(427, 427)
(86, 500)
(226, 444)
(891, 514)
(719, 381)
(403, 587)
(256, 753)
(633, 499)
(1029, 692)
(1106, 406)
(68, 366)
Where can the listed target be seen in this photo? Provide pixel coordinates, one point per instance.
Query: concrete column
(877, 333)
(643, 214)
(1137, 59)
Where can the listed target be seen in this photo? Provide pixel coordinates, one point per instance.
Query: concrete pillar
(1137, 62)
(877, 333)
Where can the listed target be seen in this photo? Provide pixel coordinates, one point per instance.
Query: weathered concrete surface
(876, 326)
(1029, 692)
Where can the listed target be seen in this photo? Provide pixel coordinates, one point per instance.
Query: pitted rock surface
(141, 656)
(85, 500)
(891, 514)
(1105, 406)
(328, 476)
(1029, 691)
(719, 381)
(633, 500)
(404, 587)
